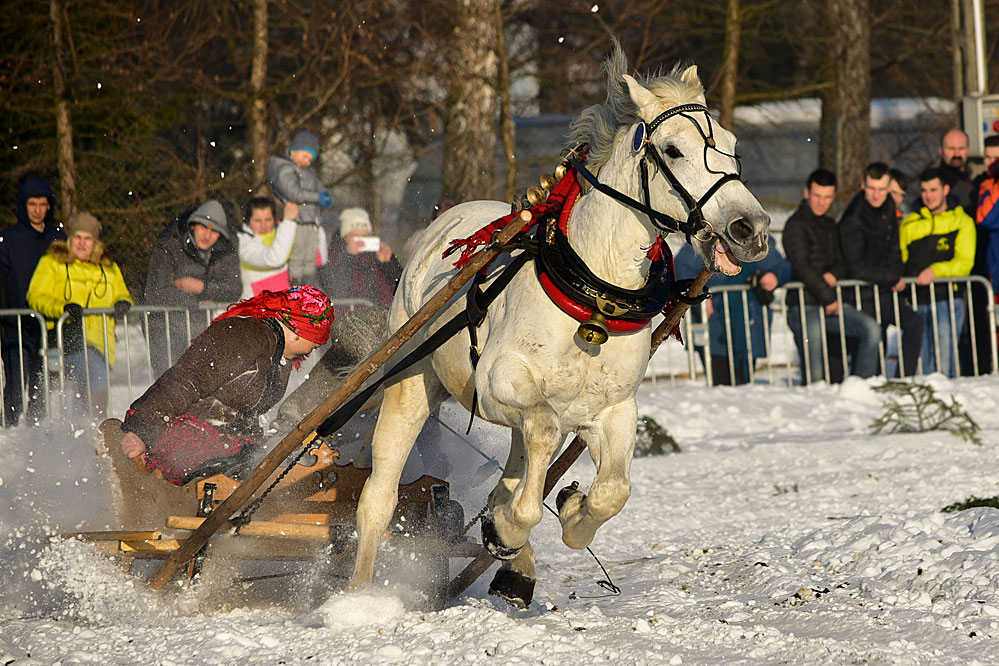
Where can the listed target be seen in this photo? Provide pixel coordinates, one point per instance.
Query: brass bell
(560, 171)
(536, 195)
(548, 181)
(594, 329)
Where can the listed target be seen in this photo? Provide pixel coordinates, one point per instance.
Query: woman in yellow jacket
(73, 275)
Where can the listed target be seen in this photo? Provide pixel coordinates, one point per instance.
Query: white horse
(535, 374)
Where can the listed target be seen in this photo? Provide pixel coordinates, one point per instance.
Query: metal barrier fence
(149, 339)
(737, 298)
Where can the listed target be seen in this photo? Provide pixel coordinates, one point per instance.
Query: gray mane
(601, 126)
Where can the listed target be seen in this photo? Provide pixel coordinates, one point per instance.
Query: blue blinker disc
(639, 139)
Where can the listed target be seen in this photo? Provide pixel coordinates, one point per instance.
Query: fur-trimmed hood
(60, 252)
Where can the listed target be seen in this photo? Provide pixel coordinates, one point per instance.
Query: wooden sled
(308, 513)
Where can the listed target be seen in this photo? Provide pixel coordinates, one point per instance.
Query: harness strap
(661, 220)
(476, 312)
(336, 420)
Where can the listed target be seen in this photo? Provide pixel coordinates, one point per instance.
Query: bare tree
(845, 132)
(507, 129)
(730, 62)
(470, 117)
(258, 106)
(64, 120)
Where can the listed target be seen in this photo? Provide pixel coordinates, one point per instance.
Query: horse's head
(692, 166)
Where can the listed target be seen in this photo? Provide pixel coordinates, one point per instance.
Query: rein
(695, 222)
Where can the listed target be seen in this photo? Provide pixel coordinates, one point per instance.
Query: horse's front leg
(515, 505)
(405, 406)
(514, 580)
(611, 443)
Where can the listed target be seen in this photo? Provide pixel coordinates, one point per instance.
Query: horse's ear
(689, 75)
(643, 99)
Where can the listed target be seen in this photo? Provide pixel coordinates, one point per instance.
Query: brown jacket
(230, 375)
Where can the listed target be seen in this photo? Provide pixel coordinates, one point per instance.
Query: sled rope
(607, 584)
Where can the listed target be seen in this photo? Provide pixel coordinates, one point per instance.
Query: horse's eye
(673, 152)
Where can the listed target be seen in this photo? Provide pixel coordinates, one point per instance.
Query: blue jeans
(856, 325)
(941, 336)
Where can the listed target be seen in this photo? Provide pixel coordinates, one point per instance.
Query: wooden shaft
(676, 314)
(483, 561)
(306, 429)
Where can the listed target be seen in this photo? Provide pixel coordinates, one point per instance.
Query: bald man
(954, 150)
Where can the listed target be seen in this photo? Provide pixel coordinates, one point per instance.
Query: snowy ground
(785, 532)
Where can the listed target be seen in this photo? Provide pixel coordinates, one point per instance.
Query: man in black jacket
(811, 243)
(21, 246)
(868, 236)
(194, 262)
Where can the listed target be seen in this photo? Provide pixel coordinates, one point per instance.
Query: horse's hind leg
(405, 406)
(611, 444)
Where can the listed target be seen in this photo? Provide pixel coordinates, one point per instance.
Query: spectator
(990, 157)
(294, 180)
(868, 235)
(937, 242)
(355, 271)
(194, 261)
(407, 248)
(207, 406)
(986, 215)
(441, 206)
(764, 276)
(811, 241)
(21, 246)
(264, 251)
(74, 275)
(954, 150)
(898, 185)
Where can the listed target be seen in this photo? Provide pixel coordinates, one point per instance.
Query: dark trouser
(13, 399)
(910, 324)
(809, 341)
(978, 308)
(720, 375)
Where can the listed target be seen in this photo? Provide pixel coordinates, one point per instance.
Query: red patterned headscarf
(305, 310)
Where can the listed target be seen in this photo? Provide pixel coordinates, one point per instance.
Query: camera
(370, 243)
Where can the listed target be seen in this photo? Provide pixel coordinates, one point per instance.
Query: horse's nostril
(741, 231)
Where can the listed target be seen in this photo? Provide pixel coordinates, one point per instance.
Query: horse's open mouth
(725, 261)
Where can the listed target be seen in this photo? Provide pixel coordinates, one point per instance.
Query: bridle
(641, 142)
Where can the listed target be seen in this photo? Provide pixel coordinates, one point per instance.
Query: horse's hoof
(513, 587)
(492, 543)
(564, 495)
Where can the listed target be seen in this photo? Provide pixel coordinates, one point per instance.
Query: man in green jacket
(938, 243)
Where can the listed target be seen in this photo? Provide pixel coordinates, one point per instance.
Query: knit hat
(307, 141)
(212, 215)
(304, 309)
(354, 219)
(85, 222)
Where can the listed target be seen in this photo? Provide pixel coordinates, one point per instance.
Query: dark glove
(121, 308)
(75, 311)
(762, 295)
(325, 199)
